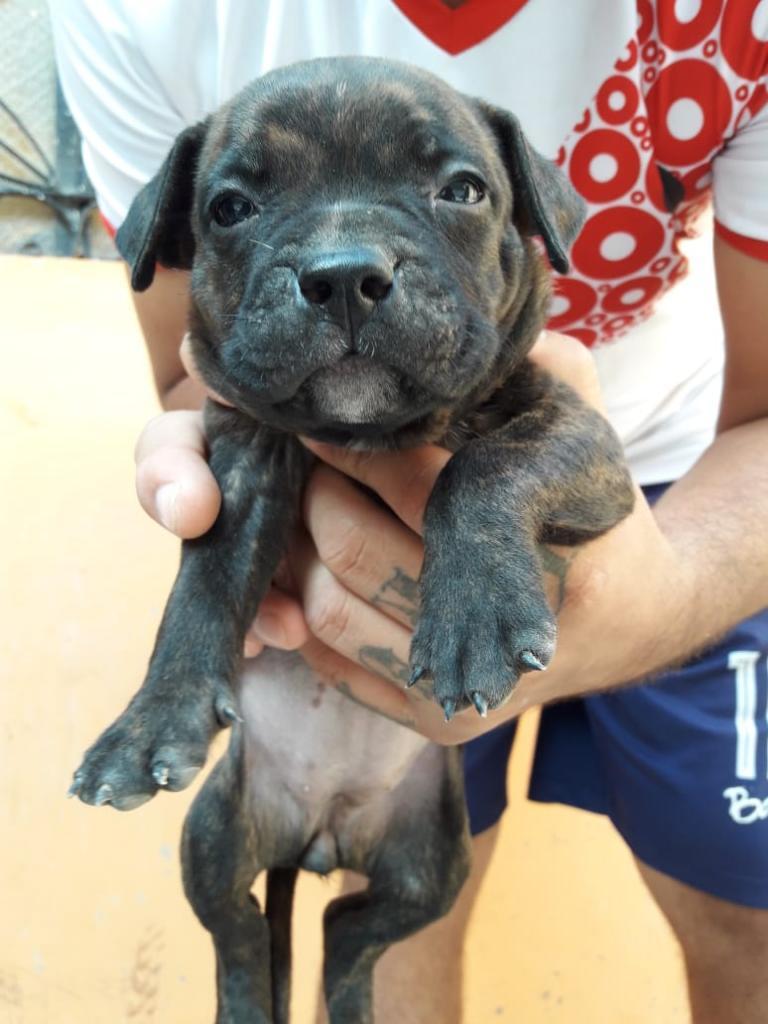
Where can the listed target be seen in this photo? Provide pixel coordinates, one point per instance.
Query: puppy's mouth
(354, 391)
(355, 398)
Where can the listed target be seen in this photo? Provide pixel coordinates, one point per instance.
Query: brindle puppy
(363, 272)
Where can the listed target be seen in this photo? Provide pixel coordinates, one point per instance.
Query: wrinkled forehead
(365, 119)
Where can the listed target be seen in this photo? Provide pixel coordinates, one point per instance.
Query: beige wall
(93, 926)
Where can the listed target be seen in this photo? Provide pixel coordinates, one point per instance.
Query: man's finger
(570, 361)
(173, 481)
(279, 623)
(365, 547)
(403, 479)
(181, 428)
(348, 625)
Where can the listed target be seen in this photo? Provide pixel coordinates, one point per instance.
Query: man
(650, 107)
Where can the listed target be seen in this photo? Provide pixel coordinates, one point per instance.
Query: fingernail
(252, 647)
(269, 629)
(166, 500)
(322, 448)
(314, 446)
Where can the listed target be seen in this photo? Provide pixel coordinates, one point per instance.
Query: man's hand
(357, 576)
(353, 574)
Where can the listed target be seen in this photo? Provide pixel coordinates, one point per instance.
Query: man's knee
(705, 925)
(723, 945)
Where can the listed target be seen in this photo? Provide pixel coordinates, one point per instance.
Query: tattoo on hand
(401, 593)
(343, 687)
(384, 661)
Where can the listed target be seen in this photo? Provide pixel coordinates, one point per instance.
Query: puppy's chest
(514, 396)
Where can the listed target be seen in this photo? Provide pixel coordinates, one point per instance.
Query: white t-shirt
(613, 91)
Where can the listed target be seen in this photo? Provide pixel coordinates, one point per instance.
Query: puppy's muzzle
(350, 284)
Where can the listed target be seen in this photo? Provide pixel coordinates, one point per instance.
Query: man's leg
(419, 981)
(725, 947)
(684, 765)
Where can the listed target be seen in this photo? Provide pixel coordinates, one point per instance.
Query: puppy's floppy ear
(545, 202)
(158, 227)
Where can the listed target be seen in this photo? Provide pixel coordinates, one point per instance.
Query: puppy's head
(359, 236)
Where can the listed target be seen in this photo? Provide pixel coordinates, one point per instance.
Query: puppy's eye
(231, 208)
(462, 190)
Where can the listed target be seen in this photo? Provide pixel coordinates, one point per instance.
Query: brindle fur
(344, 157)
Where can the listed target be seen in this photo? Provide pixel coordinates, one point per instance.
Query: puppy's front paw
(478, 635)
(159, 742)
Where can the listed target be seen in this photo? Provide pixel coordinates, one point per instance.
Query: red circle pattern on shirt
(684, 85)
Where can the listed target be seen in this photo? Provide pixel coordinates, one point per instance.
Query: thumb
(403, 479)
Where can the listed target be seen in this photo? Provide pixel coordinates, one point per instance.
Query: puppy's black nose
(349, 283)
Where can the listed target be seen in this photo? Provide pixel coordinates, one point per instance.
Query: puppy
(363, 272)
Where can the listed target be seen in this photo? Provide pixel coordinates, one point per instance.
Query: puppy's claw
(531, 662)
(226, 712)
(77, 781)
(481, 704)
(417, 673)
(449, 708)
(104, 795)
(168, 774)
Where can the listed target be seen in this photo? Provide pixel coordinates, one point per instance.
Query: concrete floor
(94, 927)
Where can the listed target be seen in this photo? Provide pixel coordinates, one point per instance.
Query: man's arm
(712, 520)
(648, 595)
(162, 314)
(715, 516)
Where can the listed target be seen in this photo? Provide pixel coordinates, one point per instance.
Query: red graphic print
(457, 29)
(641, 156)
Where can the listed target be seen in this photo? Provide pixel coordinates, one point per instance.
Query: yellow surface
(93, 924)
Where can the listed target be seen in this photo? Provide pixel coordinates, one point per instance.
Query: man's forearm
(674, 593)
(715, 519)
(184, 394)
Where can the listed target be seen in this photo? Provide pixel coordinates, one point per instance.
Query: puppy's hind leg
(220, 860)
(416, 872)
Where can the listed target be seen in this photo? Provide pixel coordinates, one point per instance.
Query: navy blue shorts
(679, 765)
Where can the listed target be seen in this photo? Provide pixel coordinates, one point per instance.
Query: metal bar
(24, 183)
(22, 160)
(29, 136)
(71, 179)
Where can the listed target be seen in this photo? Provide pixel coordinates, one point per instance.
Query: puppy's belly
(324, 777)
